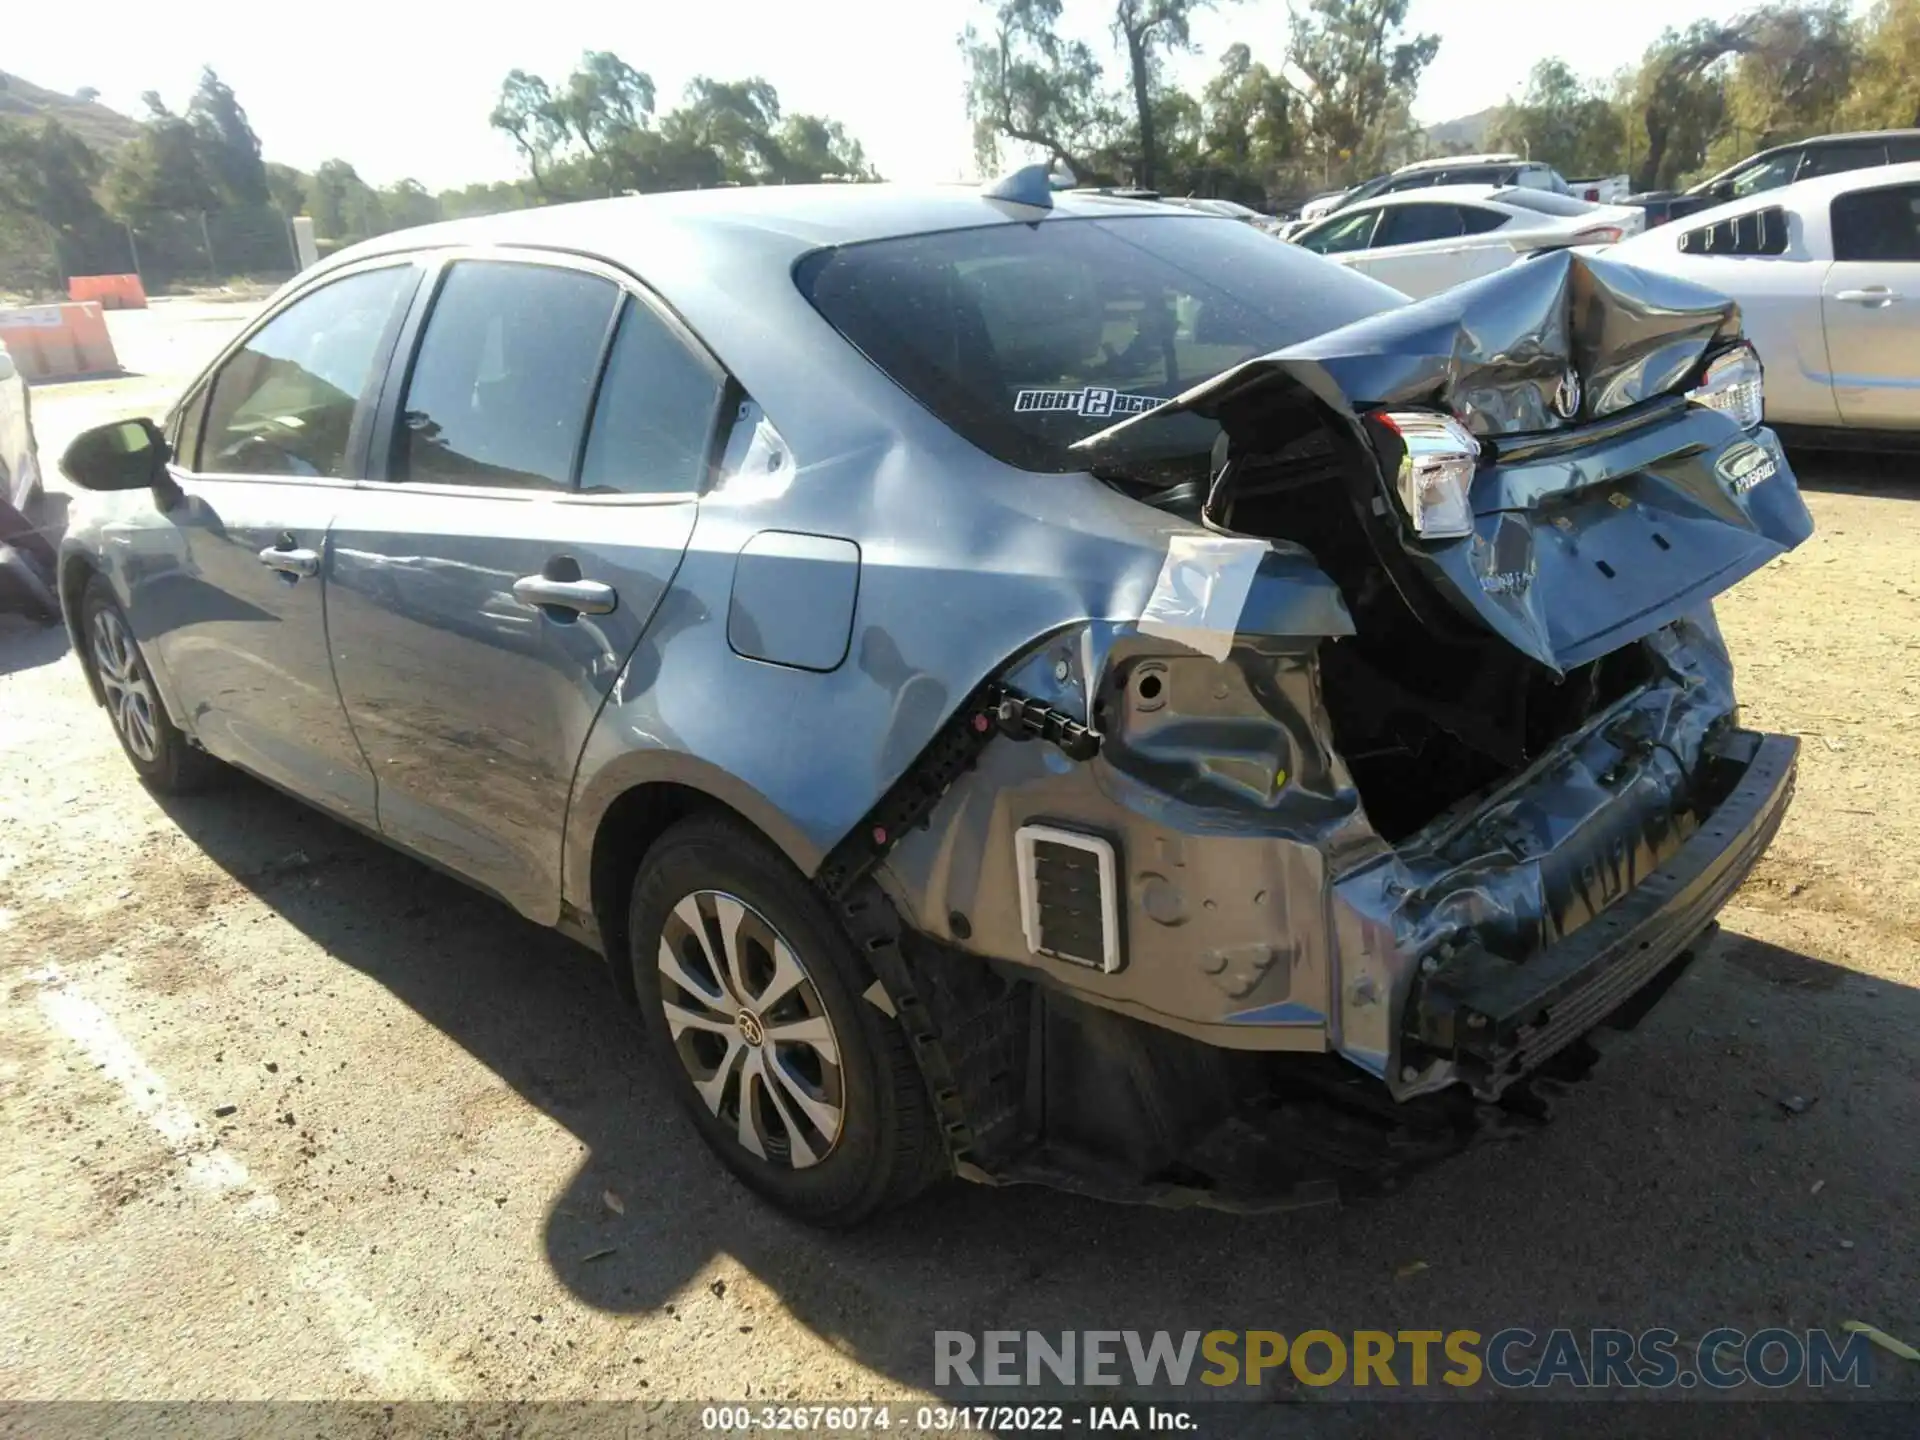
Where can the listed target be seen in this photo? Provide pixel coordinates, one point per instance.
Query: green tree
(528, 113)
(229, 149)
(734, 120)
(1359, 74)
(48, 172)
(1794, 81)
(344, 207)
(1248, 121)
(1148, 30)
(597, 133)
(160, 170)
(604, 100)
(407, 203)
(487, 199)
(1679, 98)
(1025, 83)
(287, 188)
(1563, 121)
(1886, 88)
(813, 148)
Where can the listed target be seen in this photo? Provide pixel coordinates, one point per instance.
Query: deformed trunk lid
(1605, 505)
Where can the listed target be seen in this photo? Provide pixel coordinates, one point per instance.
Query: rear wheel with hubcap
(752, 996)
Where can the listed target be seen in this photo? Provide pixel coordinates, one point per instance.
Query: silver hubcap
(748, 1025)
(129, 694)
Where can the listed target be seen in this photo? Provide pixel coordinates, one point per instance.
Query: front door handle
(291, 561)
(583, 597)
(1874, 295)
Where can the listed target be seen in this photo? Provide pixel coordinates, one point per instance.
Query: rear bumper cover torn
(1498, 1022)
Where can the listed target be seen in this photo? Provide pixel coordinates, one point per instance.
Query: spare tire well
(626, 832)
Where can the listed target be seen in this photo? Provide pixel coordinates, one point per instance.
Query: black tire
(888, 1147)
(160, 755)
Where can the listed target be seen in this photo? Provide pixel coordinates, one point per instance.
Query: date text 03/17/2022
(946, 1419)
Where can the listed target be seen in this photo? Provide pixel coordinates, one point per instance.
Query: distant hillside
(105, 130)
(1468, 133)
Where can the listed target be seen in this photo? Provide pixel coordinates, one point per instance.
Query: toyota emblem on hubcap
(751, 1030)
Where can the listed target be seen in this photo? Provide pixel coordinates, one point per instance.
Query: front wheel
(754, 1000)
(159, 753)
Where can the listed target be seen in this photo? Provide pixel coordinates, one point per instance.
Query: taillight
(1599, 235)
(1435, 476)
(1734, 384)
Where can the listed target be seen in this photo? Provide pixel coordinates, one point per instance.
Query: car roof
(723, 261)
(795, 217)
(1441, 161)
(1801, 193)
(1427, 192)
(1838, 138)
(1833, 139)
(1443, 194)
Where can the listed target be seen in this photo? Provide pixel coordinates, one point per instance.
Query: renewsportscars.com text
(1512, 1358)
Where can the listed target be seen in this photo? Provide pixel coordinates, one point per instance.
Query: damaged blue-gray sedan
(1047, 687)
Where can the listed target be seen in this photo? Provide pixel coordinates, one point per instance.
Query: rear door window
(284, 404)
(1881, 224)
(504, 374)
(1837, 159)
(1418, 224)
(1472, 175)
(1351, 230)
(1768, 174)
(654, 419)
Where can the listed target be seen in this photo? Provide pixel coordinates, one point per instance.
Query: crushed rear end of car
(1421, 761)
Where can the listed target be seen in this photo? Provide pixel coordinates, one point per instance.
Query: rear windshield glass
(1543, 201)
(1026, 338)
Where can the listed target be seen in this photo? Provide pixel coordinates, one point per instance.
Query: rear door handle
(1875, 295)
(290, 561)
(583, 597)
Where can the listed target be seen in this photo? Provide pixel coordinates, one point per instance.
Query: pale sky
(404, 89)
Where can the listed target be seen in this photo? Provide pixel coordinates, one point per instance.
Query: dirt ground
(284, 1115)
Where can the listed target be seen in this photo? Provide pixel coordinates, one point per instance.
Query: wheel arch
(605, 856)
(77, 570)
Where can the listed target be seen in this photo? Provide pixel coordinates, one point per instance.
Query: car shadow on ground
(1730, 1162)
(1893, 474)
(27, 643)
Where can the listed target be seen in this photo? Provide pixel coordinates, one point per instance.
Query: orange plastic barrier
(114, 292)
(59, 342)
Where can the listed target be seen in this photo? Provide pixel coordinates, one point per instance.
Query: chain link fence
(167, 251)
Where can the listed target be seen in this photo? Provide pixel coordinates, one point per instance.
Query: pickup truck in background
(1606, 190)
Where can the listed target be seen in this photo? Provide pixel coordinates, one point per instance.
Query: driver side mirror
(123, 455)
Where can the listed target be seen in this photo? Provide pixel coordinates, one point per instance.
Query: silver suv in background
(1500, 170)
